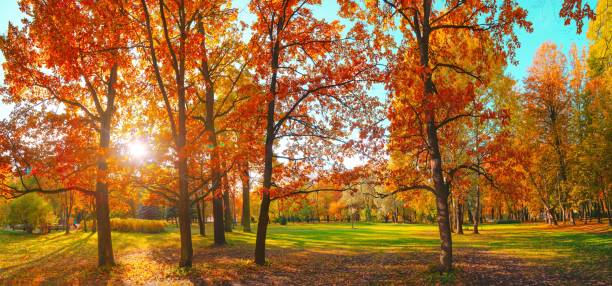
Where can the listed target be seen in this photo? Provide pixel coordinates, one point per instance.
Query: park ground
(320, 254)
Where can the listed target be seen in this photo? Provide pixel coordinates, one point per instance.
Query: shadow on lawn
(339, 256)
(290, 266)
(55, 265)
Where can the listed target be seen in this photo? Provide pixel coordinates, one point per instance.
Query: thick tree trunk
(262, 228)
(246, 200)
(184, 216)
(441, 191)
(219, 232)
(446, 245)
(102, 225)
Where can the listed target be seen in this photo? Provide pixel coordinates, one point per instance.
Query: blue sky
(544, 14)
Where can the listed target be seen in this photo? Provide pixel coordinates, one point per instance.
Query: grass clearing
(319, 254)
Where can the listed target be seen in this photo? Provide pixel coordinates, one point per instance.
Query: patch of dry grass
(138, 225)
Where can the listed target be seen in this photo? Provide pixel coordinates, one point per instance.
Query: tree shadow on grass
(571, 256)
(481, 267)
(61, 264)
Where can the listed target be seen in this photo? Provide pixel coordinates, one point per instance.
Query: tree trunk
(66, 218)
(69, 203)
(262, 224)
(584, 212)
(218, 227)
(607, 207)
(459, 218)
(262, 227)
(588, 211)
(600, 212)
(105, 247)
(441, 191)
(227, 211)
(246, 200)
(84, 222)
(204, 215)
(562, 212)
(477, 211)
(551, 215)
(200, 218)
(94, 219)
(217, 203)
(184, 214)
(102, 226)
(184, 201)
(446, 246)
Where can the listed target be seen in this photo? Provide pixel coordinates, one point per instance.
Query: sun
(137, 149)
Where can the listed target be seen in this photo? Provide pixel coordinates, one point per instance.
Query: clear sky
(544, 14)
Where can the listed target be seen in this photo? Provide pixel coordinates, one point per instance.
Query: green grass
(42, 257)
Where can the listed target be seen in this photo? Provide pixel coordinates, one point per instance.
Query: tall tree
(169, 34)
(313, 75)
(549, 101)
(80, 70)
(429, 31)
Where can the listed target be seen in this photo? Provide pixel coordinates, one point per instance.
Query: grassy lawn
(320, 254)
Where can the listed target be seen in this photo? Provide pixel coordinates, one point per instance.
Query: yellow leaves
(599, 34)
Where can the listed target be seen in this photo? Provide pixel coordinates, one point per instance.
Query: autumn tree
(598, 87)
(72, 54)
(222, 65)
(549, 102)
(428, 32)
(170, 35)
(314, 76)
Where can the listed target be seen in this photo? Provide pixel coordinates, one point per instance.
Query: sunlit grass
(66, 258)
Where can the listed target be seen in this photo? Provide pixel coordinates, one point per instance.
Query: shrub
(507, 221)
(31, 211)
(138, 225)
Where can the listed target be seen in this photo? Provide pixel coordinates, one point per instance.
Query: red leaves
(572, 10)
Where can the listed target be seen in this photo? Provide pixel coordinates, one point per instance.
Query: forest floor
(320, 254)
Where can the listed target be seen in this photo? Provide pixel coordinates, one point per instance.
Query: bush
(507, 221)
(31, 211)
(138, 225)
